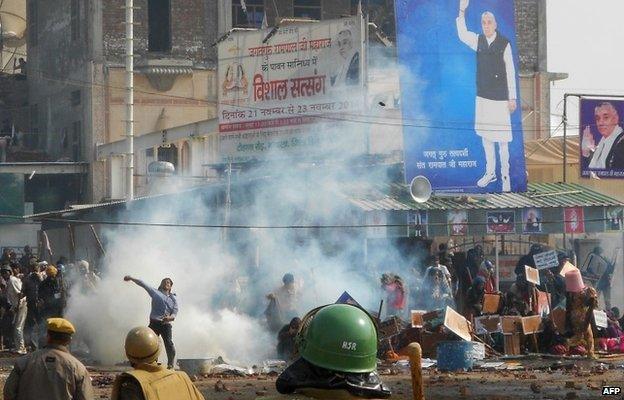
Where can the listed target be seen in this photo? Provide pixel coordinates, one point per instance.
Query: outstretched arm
(470, 39)
(150, 290)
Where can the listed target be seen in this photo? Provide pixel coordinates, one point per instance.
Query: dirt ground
(533, 378)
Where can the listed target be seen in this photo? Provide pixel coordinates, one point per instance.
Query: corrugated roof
(396, 197)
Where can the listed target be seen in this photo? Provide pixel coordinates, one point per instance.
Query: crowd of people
(32, 291)
(464, 285)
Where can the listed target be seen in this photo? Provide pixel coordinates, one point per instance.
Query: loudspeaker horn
(420, 189)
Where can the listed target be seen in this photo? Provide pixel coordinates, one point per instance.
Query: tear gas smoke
(221, 280)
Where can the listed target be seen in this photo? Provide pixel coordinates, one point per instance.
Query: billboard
(459, 94)
(274, 83)
(602, 138)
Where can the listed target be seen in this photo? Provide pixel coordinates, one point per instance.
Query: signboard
(456, 323)
(273, 84)
(457, 223)
(568, 266)
(600, 318)
(532, 220)
(417, 318)
(614, 219)
(346, 298)
(501, 222)
(510, 324)
(532, 324)
(461, 109)
(601, 138)
(532, 275)
(574, 220)
(491, 303)
(376, 222)
(417, 222)
(545, 260)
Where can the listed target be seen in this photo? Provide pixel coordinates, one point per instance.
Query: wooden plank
(512, 344)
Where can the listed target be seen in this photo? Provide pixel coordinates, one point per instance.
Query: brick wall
(193, 30)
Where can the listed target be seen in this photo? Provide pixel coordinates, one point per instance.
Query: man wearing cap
(18, 310)
(581, 301)
(51, 373)
(51, 294)
(148, 380)
(163, 313)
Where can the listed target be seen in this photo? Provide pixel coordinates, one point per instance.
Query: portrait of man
(500, 222)
(608, 153)
(574, 220)
(614, 218)
(531, 220)
(347, 66)
(496, 93)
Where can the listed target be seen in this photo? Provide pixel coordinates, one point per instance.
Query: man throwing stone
(164, 311)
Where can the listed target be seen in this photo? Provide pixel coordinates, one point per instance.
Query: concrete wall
(17, 236)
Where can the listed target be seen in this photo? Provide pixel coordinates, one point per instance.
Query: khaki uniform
(51, 374)
(154, 382)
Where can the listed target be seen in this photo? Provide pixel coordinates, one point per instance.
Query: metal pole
(565, 135)
(496, 261)
(130, 98)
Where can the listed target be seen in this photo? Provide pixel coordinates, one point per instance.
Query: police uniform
(149, 380)
(51, 373)
(154, 382)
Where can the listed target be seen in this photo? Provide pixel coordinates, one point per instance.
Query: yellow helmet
(142, 345)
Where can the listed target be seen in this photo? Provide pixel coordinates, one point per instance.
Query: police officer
(149, 380)
(338, 348)
(50, 373)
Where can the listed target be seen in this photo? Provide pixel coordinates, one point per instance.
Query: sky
(586, 40)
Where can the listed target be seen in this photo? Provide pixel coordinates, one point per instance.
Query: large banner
(274, 83)
(459, 92)
(602, 138)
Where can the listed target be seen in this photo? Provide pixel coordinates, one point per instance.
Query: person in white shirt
(496, 93)
(609, 153)
(18, 305)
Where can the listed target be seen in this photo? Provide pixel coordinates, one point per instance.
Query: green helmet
(341, 337)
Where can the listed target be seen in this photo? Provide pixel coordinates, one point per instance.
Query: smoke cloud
(222, 277)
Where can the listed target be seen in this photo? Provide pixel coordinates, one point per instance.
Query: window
(307, 9)
(250, 19)
(75, 20)
(32, 23)
(75, 98)
(76, 140)
(159, 25)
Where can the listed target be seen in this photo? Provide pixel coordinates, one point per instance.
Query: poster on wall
(501, 222)
(274, 83)
(417, 222)
(532, 220)
(461, 56)
(457, 222)
(574, 220)
(601, 138)
(614, 219)
(376, 224)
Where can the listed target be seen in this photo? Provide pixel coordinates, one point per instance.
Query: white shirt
(14, 289)
(471, 40)
(599, 159)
